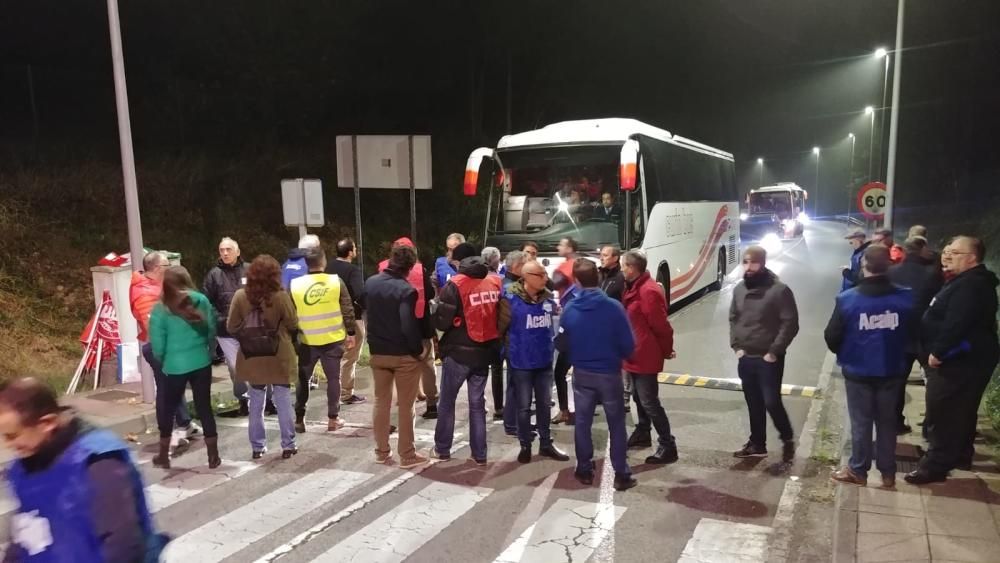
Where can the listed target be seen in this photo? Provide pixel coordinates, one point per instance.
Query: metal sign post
(413, 192)
(357, 205)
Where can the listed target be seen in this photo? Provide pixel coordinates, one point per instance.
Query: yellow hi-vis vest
(317, 303)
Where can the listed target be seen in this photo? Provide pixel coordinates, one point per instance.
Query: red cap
(403, 241)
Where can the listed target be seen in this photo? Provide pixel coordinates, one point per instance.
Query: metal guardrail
(850, 220)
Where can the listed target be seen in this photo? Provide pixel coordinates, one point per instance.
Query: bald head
(534, 277)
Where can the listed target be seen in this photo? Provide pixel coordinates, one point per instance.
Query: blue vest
(443, 271)
(53, 522)
(529, 338)
(291, 269)
(877, 331)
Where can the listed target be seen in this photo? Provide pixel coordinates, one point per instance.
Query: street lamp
(882, 53)
(869, 110)
(760, 178)
(850, 183)
(816, 184)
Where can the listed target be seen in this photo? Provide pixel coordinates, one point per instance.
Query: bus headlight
(771, 243)
(744, 216)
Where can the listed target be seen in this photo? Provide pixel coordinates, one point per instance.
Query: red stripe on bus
(706, 248)
(702, 263)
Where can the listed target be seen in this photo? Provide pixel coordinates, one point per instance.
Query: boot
(163, 458)
(663, 456)
(640, 439)
(212, 445)
(300, 423)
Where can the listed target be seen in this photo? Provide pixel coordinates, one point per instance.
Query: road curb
(688, 380)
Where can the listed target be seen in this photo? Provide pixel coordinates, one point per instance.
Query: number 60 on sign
(872, 200)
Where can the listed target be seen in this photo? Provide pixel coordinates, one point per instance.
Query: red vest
(566, 269)
(480, 299)
(416, 279)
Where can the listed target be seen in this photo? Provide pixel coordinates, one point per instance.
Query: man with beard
(763, 320)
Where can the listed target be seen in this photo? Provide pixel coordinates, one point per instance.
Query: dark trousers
(329, 356)
(646, 391)
(953, 396)
(453, 375)
(527, 383)
(201, 388)
(762, 392)
(872, 402)
(182, 419)
(589, 389)
(562, 387)
(504, 401)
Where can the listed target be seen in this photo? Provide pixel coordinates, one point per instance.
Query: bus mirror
(472, 169)
(628, 168)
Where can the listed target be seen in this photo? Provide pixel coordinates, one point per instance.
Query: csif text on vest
(317, 303)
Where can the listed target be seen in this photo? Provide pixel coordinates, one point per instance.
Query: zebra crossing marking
(194, 481)
(570, 530)
(425, 514)
(251, 522)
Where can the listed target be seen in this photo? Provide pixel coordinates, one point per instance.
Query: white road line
(236, 530)
(721, 540)
(323, 526)
(570, 530)
(531, 512)
(395, 535)
(197, 480)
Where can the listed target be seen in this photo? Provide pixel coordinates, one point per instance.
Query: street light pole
(816, 184)
(850, 182)
(882, 53)
(125, 140)
(897, 75)
(871, 140)
(760, 177)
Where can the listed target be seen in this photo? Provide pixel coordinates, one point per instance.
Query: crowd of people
(482, 313)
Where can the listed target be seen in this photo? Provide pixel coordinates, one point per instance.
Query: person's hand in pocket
(770, 358)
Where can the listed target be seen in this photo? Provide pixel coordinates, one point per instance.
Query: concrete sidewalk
(958, 520)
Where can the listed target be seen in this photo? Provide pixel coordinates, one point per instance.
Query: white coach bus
(614, 181)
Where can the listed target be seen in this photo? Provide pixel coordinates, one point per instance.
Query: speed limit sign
(872, 199)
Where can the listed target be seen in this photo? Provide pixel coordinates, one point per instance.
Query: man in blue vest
(850, 275)
(870, 330)
(595, 334)
(445, 266)
(80, 496)
(525, 323)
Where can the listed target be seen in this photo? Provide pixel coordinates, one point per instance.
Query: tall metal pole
(871, 147)
(128, 166)
(760, 179)
(816, 205)
(125, 139)
(881, 119)
(897, 76)
(357, 205)
(850, 183)
(413, 194)
(509, 90)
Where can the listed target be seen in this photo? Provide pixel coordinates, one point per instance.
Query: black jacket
(964, 313)
(612, 282)
(221, 284)
(763, 317)
(393, 329)
(917, 273)
(351, 274)
(456, 343)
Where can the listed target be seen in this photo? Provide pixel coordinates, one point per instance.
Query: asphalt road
(332, 503)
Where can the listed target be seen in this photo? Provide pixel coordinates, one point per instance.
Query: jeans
(590, 388)
(504, 401)
(404, 372)
(873, 403)
(329, 356)
(646, 390)
(562, 387)
(349, 361)
(511, 404)
(182, 419)
(201, 388)
(762, 391)
(453, 375)
(282, 397)
(528, 382)
(230, 348)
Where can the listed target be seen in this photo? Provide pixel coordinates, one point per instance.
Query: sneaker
(383, 458)
(353, 399)
(314, 382)
(845, 475)
(438, 455)
(257, 454)
(413, 461)
(178, 438)
(750, 450)
(334, 424)
(192, 430)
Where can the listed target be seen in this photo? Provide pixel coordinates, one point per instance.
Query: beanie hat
(756, 254)
(403, 241)
(463, 251)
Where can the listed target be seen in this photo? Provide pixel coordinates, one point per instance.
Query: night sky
(758, 78)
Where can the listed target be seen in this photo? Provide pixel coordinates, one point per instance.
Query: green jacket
(183, 347)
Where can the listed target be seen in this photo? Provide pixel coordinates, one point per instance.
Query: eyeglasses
(539, 274)
(953, 253)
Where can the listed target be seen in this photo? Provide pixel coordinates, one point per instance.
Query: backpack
(255, 337)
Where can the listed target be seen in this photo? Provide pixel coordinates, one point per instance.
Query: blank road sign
(302, 202)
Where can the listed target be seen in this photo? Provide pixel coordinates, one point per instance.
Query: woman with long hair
(181, 332)
(263, 319)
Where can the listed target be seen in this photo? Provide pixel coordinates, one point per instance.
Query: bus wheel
(663, 278)
(720, 272)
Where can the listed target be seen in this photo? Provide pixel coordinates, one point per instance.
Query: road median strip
(688, 380)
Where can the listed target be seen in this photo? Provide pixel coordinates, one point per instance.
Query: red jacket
(646, 307)
(143, 294)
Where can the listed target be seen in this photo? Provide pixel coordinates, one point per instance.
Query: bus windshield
(557, 192)
(777, 203)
